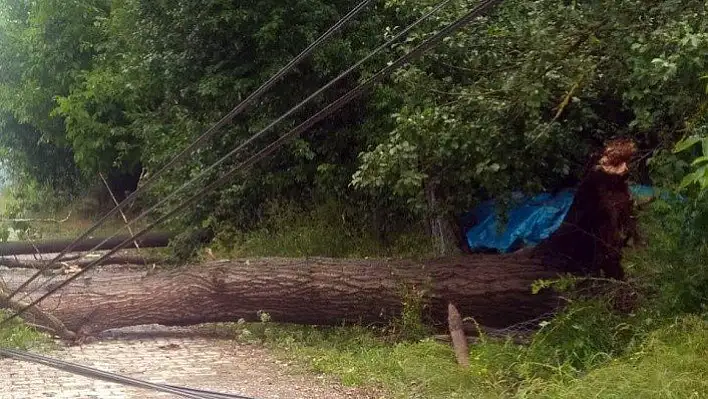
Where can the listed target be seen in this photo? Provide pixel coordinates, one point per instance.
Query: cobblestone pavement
(171, 357)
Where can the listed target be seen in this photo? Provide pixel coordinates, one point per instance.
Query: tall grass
(53, 216)
(328, 229)
(670, 363)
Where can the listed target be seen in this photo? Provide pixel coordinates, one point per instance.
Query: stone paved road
(177, 359)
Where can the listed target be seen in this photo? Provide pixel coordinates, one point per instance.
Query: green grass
(326, 230)
(71, 220)
(4, 199)
(75, 225)
(53, 217)
(359, 356)
(20, 336)
(669, 362)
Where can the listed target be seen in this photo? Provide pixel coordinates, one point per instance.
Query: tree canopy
(515, 101)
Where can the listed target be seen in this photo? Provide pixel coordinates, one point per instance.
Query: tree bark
(457, 335)
(35, 316)
(496, 290)
(440, 226)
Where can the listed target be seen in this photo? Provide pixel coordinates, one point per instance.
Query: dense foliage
(516, 100)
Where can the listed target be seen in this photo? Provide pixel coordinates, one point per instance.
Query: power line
(202, 139)
(108, 376)
(265, 130)
(327, 111)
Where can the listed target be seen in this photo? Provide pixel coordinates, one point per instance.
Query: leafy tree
(44, 47)
(518, 100)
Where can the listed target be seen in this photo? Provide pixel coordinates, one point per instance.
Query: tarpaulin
(529, 221)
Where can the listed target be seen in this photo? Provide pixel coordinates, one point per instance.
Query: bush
(30, 198)
(671, 269)
(670, 363)
(329, 229)
(586, 334)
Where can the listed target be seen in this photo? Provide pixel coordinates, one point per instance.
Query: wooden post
(457, 334)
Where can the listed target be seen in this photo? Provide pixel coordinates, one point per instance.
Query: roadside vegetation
(19, 335)
(514, 102)
(655, 349)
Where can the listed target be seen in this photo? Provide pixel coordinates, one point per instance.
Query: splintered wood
(457, 334)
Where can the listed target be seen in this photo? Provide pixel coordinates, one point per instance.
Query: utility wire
(269, 127)
(203, 138)
(327, 111)
(108, 376)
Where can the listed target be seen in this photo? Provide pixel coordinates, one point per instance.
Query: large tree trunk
(494, 289)
(441, 231)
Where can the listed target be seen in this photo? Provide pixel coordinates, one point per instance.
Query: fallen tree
(494, 289)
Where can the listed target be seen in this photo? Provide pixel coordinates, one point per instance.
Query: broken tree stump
(457, 335)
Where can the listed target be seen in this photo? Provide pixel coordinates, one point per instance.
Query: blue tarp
(530, 221)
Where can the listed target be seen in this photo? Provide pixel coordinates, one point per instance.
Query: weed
(410, 326)
(19, 335)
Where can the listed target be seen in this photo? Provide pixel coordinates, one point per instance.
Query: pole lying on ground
(149, 240)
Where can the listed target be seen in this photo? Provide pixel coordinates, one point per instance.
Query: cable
(263, 131)
(116, 378)
(209, 394)
(330, 109)
(202, 139)
(108, 376)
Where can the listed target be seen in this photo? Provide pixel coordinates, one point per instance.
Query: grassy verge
(18, 335)
(73, 226)
(668, 362)
(359, 356)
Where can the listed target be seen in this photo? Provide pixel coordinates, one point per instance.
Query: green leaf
(700, 160)
(703, 180)
(687, 143)
(692, 178)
